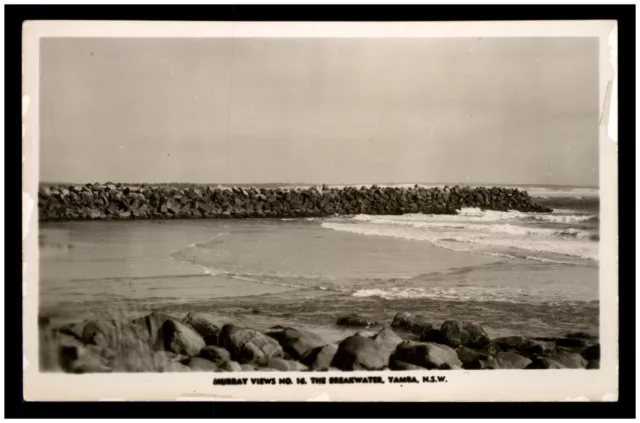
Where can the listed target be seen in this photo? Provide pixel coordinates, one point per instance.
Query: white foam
(467, 293)
(464, 294)
(475, 227)
(475, 214)
(475, 241)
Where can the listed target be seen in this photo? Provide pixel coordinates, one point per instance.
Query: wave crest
(488, 232)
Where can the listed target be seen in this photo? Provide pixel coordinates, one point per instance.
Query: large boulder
(521, 345)
(248, 345)
(592, 352)
(581, 335)
(573, 342)
(231, 366)
(320, 358)
(387, 340)
(469, 334)
(569, 360)
(181, 339)
(78, 359)
(166, 361)
(432, 335)
(427, 355)
(99, 332)
(505, 360)
(491, 349)
(410, 323)
(215, 354)
(470, 358)
(74, 329)
(202, 365)
(205, 325)
(593, 364)
(403, 365)
(150, 327)
(286, 365)
(355, 320)
(359, 353)
(544, 363)
(297, 343)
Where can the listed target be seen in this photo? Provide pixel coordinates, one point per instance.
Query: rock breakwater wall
(125, 201)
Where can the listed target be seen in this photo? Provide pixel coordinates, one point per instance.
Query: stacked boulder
(123, 201)
(198, 342)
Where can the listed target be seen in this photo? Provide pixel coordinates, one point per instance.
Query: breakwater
(126, 201)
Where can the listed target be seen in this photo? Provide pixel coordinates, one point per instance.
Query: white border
(508, 385)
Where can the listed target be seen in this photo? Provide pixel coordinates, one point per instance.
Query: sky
(222, 110)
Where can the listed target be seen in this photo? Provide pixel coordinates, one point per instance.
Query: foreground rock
(592, 352)
(569, 360)
(205, 325)
(471, 359)
(387, 341)
(297, 343)
(161, 343)
(403, 365)
(427, 355)
(249, 345)
(99, 332)
(360, 353)
(181, 339)
(320, 358)
(455, 333)
(149, 327)
(214, 354)
(202, 364)
(411, 323)
(355, 320)
(78, 359)
(505, 360)
(520, 344)
(286, 365)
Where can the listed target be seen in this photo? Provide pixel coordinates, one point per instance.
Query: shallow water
(515, 273)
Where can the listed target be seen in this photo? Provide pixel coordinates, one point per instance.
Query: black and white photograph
(362, 209)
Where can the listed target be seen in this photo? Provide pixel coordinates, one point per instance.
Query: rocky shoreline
(202, 343)
(125, 201)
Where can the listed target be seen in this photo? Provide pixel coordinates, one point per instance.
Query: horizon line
(325, 183)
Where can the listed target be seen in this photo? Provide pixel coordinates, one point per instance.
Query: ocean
(515, 273)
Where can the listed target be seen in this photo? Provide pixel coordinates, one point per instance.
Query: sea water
(513, 272)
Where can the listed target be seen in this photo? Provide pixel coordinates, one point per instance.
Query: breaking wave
(549, 236)
(478, 215)
(468, 293)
